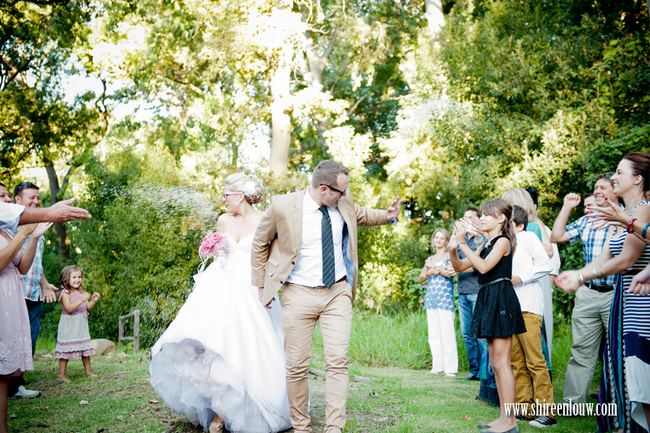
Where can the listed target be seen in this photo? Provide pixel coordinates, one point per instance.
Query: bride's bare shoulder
(224, 221)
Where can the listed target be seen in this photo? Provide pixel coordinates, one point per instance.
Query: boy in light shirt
(530, 263)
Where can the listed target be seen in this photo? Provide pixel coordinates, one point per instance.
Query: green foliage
(511, 93)
(547, 93)
(389, 266)
(140, 248)
(36, 123)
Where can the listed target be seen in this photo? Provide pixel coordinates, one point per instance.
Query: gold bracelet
(581, 279)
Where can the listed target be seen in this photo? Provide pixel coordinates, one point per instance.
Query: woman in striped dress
(627, 352)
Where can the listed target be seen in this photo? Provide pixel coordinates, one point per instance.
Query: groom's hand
(394, 210)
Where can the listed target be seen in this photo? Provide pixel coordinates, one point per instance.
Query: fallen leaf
(12, 416)
(83, 403)
(153, 401)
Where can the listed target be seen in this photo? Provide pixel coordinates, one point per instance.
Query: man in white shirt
(530, 263)
(306, 245)
(13, 215)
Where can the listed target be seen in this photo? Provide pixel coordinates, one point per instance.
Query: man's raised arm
(559, 234)
(59, 212)
(372, 217)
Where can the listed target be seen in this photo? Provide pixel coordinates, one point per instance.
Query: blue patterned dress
(439, 290)
(627, 356)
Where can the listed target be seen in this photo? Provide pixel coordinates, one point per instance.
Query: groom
(306, 245)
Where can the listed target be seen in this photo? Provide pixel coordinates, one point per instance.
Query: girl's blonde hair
(64, 277)
(498, 207)
(444, 232)
(520, 197)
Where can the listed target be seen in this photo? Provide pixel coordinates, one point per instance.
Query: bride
(221, 361)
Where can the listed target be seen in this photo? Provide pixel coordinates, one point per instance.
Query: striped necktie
(327, 245)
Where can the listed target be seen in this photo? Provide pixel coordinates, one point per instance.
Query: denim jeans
(35, 312)
(476, 348)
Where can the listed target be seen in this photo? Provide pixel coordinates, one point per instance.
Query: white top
(308, 270)
(530, 263)
(10, 215)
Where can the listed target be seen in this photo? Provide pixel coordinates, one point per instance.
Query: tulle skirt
(223, 355)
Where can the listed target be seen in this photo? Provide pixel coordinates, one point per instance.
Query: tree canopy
(444, 103)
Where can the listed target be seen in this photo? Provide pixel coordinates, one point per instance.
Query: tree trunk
(60, 229)
(316, 65)
(280, 118)
(435, 17)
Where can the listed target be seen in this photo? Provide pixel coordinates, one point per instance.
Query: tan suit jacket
(278, 237)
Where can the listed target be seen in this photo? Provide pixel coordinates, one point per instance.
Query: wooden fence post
(136, 329)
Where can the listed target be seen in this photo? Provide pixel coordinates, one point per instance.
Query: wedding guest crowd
(610, 316)
(18, 248)
(504, 258)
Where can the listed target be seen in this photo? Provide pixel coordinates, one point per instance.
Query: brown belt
(340, 280)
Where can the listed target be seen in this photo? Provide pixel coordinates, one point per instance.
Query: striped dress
(627, 356)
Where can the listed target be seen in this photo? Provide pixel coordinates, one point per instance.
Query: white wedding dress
(223, 352)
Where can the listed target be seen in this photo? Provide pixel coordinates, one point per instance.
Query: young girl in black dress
(497, 315)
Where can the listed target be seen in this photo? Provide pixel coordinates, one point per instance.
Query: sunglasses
(334, 189)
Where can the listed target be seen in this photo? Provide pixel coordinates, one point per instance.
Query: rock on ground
(103, 346)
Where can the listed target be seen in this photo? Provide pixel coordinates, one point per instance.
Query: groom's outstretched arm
(371, 217)
(261, 248)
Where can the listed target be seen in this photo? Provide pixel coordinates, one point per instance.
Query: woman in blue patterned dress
(439, 305)
(627, 352)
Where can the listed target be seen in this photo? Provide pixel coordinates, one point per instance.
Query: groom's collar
(309, 203)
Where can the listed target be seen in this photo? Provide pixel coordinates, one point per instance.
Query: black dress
(497, 312)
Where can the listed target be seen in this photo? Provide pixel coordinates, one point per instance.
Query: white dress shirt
(10, 215)
(530, 263)
(308, 270)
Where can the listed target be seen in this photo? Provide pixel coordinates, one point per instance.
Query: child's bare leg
(86, 362)
(4, 394)
(63, 367)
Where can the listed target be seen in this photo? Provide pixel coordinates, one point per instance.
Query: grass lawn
(121, 400)
(391, 352)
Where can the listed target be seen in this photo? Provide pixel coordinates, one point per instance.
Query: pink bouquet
(213, 245)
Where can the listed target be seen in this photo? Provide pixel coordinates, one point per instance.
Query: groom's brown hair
(327, 172)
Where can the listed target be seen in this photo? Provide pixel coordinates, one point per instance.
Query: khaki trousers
(532, 379)
(302, 307)
(589, 322)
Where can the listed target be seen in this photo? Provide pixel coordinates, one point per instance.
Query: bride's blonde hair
(250, 186)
